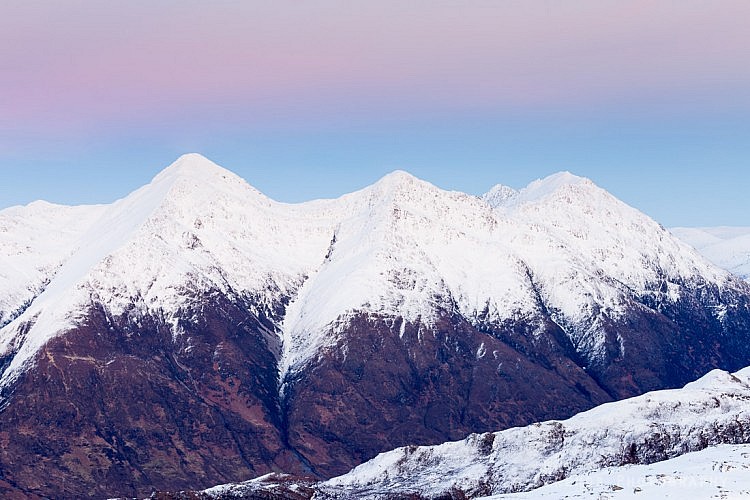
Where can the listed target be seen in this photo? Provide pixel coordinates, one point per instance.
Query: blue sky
(651, 100)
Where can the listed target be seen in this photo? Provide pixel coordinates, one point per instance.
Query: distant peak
(541, 188)
(504, 196)
(41, 205)
(398, 177)
(559, 179)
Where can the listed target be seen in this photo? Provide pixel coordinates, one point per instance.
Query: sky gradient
(650, 99)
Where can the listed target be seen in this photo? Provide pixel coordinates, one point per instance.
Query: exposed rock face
(426, 386)
(113, 409)
(197, 333)
(380, 386)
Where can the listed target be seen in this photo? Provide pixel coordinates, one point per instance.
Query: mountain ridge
(397, 205)
(256, 336)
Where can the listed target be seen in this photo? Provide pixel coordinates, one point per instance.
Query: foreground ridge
(650, 428)
(656, 428)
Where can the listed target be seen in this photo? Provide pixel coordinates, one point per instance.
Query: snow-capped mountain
(197, 332)
(194, 229)
(650, 428)
(396, 247)
(727, 247)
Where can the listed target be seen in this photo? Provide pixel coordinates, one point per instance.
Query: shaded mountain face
(197, 332)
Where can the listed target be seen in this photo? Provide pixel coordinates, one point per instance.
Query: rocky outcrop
(114, 408)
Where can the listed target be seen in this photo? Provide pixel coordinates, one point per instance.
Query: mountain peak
(398, 178)
(401, 183)
(563, 177)
(193, 173)
(192, 161)
(501, 195)
(192, 165)
(542, 188)
(547, 185)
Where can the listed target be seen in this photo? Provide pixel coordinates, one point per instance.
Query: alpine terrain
(727, 247)
(197, 332)
(657, 426)
(680, 443)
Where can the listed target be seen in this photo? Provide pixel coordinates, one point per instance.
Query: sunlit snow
(401, 248)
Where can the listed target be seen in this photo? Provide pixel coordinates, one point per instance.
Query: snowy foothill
(654, 427)
(720, 472)
(681, 443)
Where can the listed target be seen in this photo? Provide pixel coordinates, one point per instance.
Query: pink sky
(81, 63)
(334, 94)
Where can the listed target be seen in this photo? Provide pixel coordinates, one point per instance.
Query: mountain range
(197, 332)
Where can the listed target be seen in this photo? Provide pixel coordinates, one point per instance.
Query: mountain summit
(197, 332)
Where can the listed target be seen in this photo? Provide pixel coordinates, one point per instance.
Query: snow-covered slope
(588, 254)
(656, 426)
(195, 228)
(727, 247)
(400, 248)
(34, 241)
(271, 486)
(718, 472)
(721, 472)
